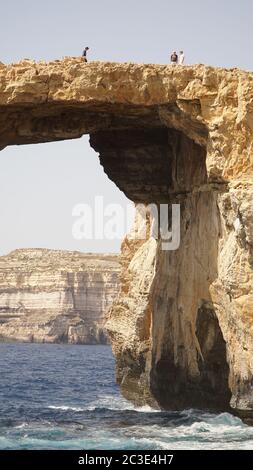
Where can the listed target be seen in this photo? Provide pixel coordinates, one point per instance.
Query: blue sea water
(65, 397)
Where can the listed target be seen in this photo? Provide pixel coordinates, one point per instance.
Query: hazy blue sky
(39, 184)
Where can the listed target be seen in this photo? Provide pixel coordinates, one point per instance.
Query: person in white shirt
(181, 58)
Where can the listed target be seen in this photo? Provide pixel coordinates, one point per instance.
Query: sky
(40, 184)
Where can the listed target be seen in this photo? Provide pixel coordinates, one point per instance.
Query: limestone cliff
(182, 327)
(56, 296)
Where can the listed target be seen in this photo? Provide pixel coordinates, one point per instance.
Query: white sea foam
(200, 431)
(21, 426)
(66, 408)
(188, 429)
(222, 431)
(109, 402)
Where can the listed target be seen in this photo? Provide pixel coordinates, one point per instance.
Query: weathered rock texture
(56, 296)
(182, 328)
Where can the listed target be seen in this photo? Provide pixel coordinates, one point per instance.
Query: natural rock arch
(164, 134)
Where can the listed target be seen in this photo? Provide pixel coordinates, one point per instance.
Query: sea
(65, 397)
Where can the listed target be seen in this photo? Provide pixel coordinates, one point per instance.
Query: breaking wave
(59, 397)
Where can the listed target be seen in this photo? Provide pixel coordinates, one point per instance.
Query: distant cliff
(56, 296)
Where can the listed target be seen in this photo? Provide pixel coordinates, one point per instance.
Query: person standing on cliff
(174, 58)
(181, 58)
(85, 54)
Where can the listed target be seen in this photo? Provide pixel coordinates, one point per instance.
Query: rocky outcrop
(56, 296)
(182, 327)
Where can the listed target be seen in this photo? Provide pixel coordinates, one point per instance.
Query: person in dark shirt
(85, 54)
(174, 58)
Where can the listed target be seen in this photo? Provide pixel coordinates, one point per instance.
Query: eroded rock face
(182, 327)
(56, 296)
